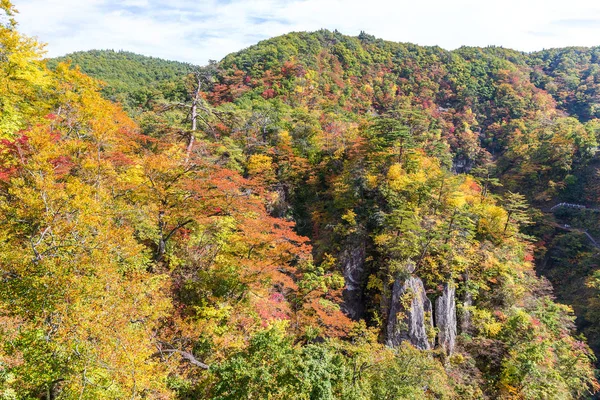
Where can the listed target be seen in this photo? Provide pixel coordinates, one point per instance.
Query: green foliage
(272, 367)
(134, 80)
(571, 75)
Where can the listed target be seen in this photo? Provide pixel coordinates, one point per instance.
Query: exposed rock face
(353, 267)
(462, 165)
(410, 314)
(465, 323)
(465, 320)
(445, 318)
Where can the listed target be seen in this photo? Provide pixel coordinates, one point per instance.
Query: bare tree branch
(184, 354)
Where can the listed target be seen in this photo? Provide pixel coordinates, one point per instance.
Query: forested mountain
(131, 79)
(315, 217)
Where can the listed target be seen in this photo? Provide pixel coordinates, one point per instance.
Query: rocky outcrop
(410, 316)
(445, 318)
(465, 322)
(465, 317)
(353, 267)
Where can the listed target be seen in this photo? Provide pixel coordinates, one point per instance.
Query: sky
(199, 30)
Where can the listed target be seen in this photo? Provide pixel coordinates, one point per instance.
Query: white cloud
(198, 30)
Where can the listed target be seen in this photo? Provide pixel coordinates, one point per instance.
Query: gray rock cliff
(410, 315)
(445, 318)
(353, 268)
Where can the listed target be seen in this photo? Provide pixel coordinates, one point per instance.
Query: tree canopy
(248, 229)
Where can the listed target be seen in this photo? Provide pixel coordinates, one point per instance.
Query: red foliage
(62, 165)
(12, 154)
(120, 159)
(268, 93)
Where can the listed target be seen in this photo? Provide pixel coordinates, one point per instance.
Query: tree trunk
(194, 121)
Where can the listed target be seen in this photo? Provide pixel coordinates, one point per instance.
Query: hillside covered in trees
(315, 217)
(131, 79)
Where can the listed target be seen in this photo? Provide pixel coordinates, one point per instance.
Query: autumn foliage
(208, 253)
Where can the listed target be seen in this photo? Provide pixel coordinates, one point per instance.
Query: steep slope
(367, 145)
(345, 103)
(572, 76)
(500, 111)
